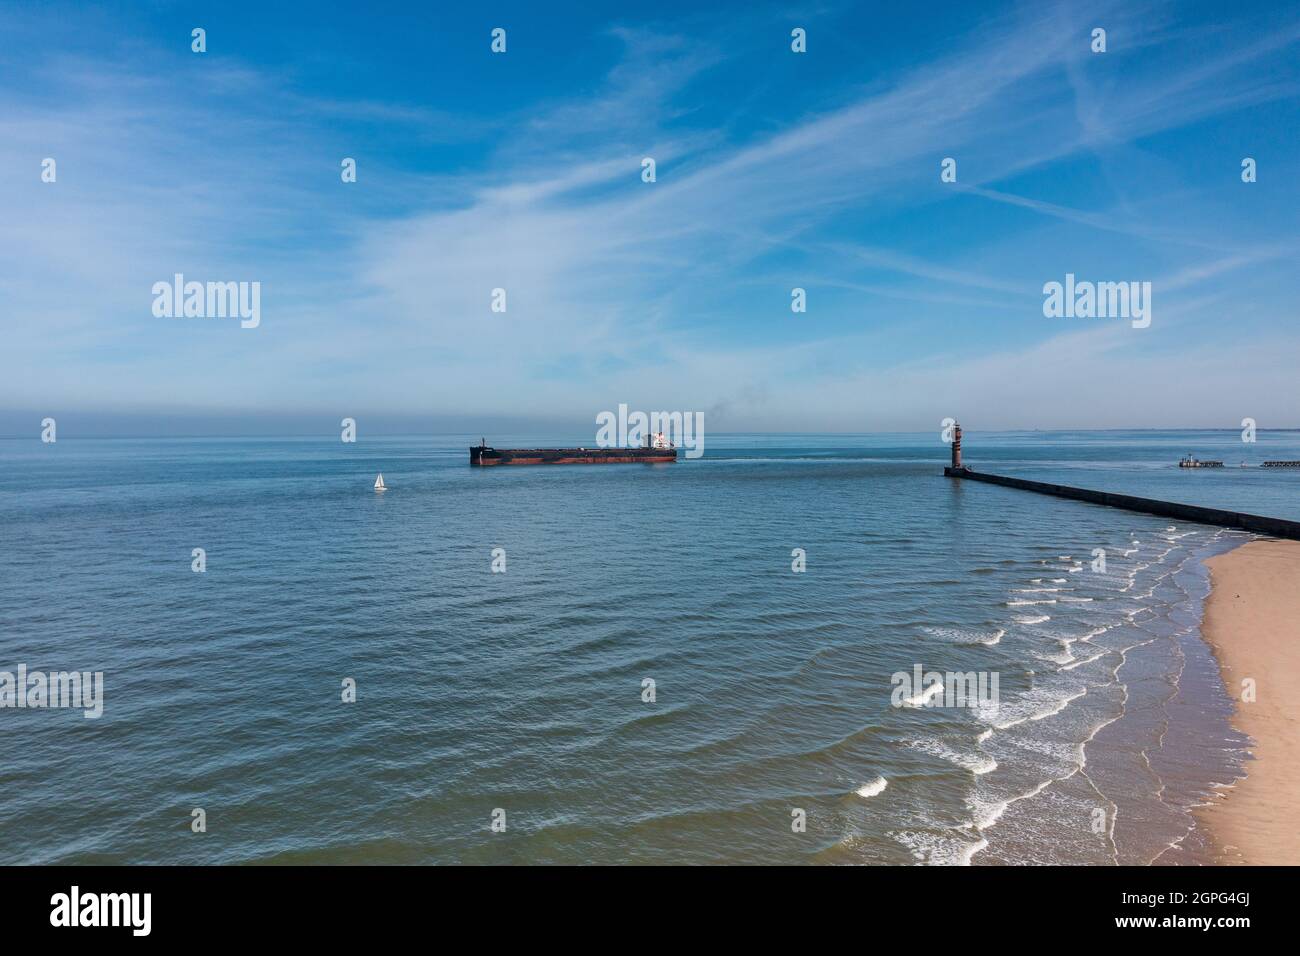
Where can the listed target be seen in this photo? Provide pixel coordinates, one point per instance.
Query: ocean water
(522, 691)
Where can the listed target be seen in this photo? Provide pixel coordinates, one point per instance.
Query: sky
(522, 171)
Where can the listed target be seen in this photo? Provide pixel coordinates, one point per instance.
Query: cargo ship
(1191, 462)
(656, 450)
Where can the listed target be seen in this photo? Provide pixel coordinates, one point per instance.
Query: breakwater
(1260, 524)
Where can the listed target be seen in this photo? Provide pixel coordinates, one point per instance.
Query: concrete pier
(1277, 527)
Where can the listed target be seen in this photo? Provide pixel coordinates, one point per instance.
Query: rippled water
(523, 690)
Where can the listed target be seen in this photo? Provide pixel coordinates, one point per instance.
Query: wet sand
(1252, 622)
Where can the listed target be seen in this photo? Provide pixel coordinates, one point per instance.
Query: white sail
(379, 483)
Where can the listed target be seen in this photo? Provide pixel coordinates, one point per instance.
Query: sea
(693, 663)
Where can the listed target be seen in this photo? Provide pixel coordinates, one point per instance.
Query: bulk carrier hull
(483, 455)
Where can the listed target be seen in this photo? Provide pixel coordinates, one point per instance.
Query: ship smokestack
(956, 446)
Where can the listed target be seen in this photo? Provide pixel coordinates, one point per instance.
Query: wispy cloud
(673, 293)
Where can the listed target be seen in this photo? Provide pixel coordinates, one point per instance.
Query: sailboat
(379, 483)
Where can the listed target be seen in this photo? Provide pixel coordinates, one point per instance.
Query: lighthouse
(956, 447)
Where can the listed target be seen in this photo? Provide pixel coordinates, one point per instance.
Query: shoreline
(1252, 625)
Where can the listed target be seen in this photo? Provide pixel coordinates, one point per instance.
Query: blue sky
(774, 170)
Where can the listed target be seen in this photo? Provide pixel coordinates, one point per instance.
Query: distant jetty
(1259, 524)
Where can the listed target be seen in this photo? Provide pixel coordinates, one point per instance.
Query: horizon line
(811, 434)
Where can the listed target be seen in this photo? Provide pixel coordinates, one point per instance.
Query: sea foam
(872, 788)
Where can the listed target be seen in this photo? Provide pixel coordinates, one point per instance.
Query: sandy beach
(1252, 622)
